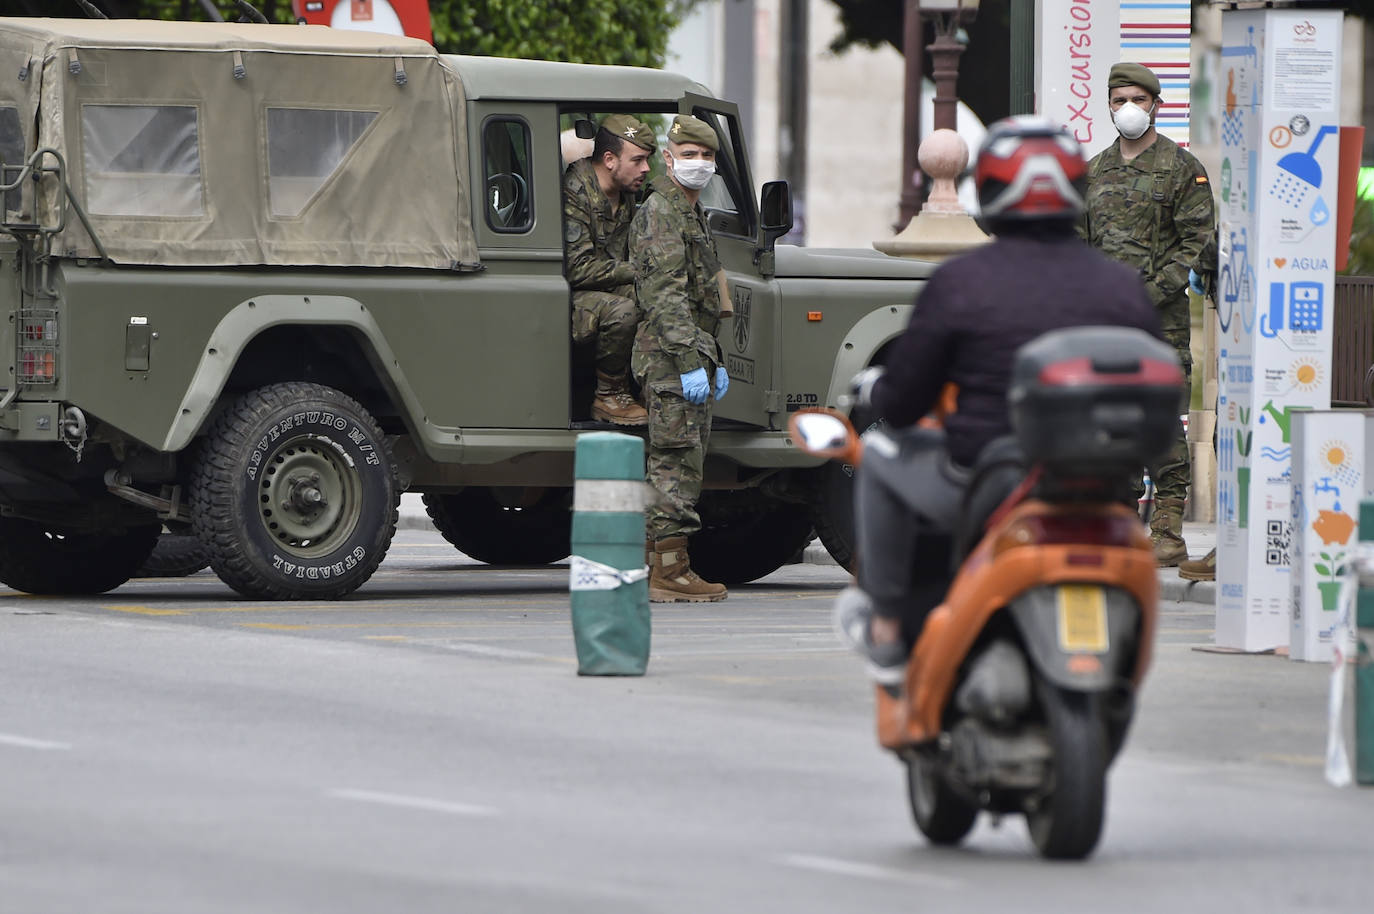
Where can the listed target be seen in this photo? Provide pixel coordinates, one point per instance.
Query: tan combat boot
(1166, 532)
(1203, 569)
(613, 402)
(671, 579)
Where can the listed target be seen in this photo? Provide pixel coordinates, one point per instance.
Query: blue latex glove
(722, 382)
(695, 387)
(1195, 282)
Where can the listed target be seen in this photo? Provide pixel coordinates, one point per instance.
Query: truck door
(748, 338)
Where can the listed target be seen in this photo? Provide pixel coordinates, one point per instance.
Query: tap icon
(1324, 485)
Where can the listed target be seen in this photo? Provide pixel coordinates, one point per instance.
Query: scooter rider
(975, 311)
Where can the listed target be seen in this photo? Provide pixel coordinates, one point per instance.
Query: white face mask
(1131, 121)
(693, 174)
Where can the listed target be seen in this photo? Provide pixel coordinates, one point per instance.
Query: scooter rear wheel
(943, 816)
(1066, 820)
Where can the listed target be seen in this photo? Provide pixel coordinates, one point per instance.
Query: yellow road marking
(145, 610)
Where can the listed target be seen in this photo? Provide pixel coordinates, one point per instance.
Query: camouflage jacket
(595, 239)
(1154, 214)
(675, 259)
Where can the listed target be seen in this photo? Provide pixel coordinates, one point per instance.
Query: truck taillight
(39, 330)
(37, 363)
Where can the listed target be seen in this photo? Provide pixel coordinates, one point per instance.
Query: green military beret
(1133, 74)
(626, 127)
(688, 129)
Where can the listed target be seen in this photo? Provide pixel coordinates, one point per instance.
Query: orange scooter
(1020, 687)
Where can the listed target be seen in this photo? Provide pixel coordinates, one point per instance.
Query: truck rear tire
(745, 536)
(294, 494)
(175, 555)
(36, 558)
(495, 526)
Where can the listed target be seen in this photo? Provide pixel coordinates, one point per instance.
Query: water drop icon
(1320, 212)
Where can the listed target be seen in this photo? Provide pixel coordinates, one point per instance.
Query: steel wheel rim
(308, 497)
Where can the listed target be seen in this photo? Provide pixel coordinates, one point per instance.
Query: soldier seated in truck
(598, 204)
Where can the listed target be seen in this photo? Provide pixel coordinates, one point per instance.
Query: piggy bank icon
(1334, 526)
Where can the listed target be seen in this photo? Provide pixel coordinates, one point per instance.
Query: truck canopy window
(11, 136)
(142, 160)
(12, 153)
(506, 158)
(304, 147)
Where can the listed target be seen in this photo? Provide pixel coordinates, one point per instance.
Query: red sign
(408, 17)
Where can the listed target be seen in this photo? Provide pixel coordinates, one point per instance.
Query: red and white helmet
(1029, 168)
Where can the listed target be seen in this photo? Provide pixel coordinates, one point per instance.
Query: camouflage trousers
(675, 463)
(1174, 473)
(611, 318)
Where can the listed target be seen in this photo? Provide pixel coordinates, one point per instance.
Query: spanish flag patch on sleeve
(1200, 179)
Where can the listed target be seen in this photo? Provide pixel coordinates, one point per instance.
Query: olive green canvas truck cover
(150, 118)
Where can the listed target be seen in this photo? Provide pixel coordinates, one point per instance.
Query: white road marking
(487, 650)
(868, 871)
(24, 742)
(426, 803)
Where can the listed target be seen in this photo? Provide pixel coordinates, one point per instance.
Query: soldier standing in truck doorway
(598, 206)
(677, 359)
(1149, 205)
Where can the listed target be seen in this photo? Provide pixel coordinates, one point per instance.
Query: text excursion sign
(1077, 41)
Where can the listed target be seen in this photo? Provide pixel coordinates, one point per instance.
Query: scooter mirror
(822, 433)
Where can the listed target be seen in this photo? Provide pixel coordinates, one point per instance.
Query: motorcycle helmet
(1030, 171)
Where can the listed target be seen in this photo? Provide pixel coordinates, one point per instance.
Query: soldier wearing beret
(676, 357)
(1149, 205)
(598, 205)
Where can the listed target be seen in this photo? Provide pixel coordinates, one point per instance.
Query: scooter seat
(1000, 468)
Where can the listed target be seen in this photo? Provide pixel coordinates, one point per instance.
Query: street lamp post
(941, 228)
(945, 50)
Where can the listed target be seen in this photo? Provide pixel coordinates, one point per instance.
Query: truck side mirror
(775, 211)
(584, 129)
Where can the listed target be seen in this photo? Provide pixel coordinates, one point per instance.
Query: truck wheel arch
(864, 344)
(254, 321)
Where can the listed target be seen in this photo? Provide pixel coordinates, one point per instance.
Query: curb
(1177, 590)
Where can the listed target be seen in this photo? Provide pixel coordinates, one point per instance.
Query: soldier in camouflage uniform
(1149, 205)
(676, 357)
(598, 206)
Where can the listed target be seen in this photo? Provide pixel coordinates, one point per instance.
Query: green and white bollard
(1364, 660)
(608, 582)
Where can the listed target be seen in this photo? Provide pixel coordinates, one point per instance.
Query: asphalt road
(427, 746)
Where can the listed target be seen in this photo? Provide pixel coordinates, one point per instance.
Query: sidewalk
(1172, 588)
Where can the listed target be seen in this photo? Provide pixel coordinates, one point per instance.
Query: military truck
(260, 280)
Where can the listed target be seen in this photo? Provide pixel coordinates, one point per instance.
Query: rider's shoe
(886, 662)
